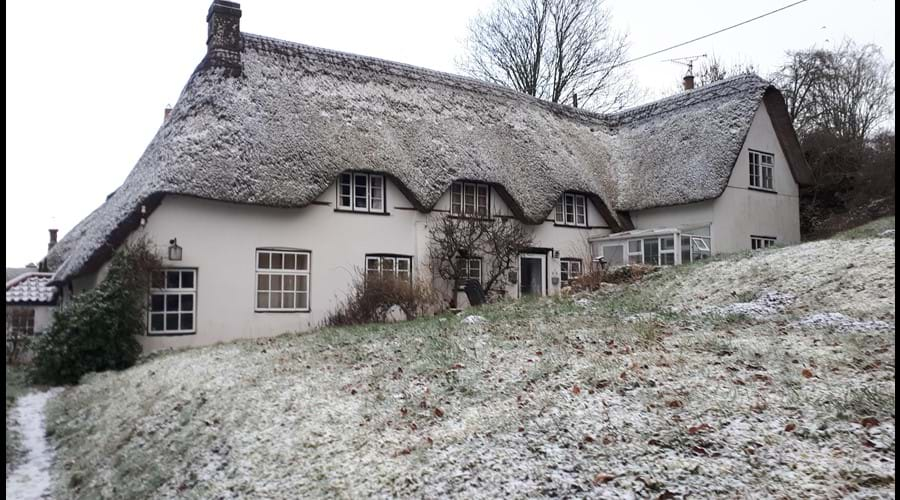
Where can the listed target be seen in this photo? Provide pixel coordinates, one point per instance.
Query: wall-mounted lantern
(556, 254)
(174, 249)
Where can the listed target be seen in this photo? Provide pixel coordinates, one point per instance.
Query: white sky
(87, 81)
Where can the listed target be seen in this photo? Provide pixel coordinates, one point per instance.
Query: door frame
(544, 271)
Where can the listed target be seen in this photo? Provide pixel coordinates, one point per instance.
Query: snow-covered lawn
(30, 480)
(692, 395)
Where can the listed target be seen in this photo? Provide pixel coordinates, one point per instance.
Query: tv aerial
(686, 61)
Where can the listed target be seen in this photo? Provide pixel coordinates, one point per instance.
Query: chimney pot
(223, 41)
(52, 239)
(166, 113)
(688, 82)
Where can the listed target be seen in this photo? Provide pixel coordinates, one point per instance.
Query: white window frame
(470, 199)
(668, 251)
(400, 264)
(374, 186)
(282, 272)
(762, 242)
(566, 271)
(165, 292)
(629, 254)
(571, 210)
(762, 170)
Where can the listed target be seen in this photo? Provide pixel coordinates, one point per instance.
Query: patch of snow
(583, 302)
(31, 480)
(473, 319)
(886, 233)
(844, 322)
(770, 303)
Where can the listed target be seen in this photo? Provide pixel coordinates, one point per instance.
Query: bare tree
(848, 91)
(496, 241)
(551, 49)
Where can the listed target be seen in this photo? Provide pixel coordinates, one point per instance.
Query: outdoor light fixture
(556, 254)
(174, 249)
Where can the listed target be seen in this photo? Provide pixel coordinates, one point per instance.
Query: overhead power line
(708, 35)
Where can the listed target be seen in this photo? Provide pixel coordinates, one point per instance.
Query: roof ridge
(702, 94)
(434, 75)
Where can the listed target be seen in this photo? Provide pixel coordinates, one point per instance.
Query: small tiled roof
(30, 288)
(12, 272)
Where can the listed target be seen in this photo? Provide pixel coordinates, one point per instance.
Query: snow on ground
(552, 397)
(31, 479)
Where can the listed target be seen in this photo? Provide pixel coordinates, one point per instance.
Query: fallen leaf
(674, 404)
(576, 390)
(790, 427)
(588, 439)
(438, 412)
(603, 478)
(457, 366)
(699, 428)
(521, 429)
(666, 495)
(807, 373)
(869, 422)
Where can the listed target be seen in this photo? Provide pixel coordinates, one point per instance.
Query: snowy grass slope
(15, 387)
(632, 392)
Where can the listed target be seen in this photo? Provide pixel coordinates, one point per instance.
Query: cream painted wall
(220, 240)
(740, 212)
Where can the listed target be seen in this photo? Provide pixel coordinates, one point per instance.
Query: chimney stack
(166, 114)
(52, 239)
(688, 82)
(223, 41)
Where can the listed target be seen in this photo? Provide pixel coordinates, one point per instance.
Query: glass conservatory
(656, 247)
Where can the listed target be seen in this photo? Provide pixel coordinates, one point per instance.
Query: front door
(533, 274)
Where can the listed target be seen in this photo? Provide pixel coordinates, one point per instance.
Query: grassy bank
(769, 374)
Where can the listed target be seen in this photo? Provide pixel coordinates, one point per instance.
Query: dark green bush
(96, 330)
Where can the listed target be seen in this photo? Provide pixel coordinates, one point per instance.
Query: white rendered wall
(220, 240)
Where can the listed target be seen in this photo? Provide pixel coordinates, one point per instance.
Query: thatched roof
(281, 129)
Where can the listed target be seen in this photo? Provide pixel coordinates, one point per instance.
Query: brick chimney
(223, 41)
(166, 113)
(52, 239)
(688, 82)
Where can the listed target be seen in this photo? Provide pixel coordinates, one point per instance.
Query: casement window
(282, 280)
(694, 248)
(361, 192)
(469, 268)
(173, 302)
(470, 199)
(569, 269)
(20, 321)
(571, 210)
(758, 242)
(398, 266)
(761, 170)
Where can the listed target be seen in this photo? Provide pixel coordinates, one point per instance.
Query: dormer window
(361, 192)
(470, 199)
(571, 210)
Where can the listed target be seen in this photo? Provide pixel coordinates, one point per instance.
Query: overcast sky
(87, 81)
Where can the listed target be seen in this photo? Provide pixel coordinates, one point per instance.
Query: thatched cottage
(284, 167)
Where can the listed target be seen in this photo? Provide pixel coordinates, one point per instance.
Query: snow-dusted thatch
(280, 131)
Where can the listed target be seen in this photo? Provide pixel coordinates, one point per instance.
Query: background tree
(841, 104)
(551, 49)
(496, 241)
(712, 69)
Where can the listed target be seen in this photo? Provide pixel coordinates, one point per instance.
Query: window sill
(470, 217)
(170, 334)
(762, 190)
(282, 311)
(573, 226)
(348, 211)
